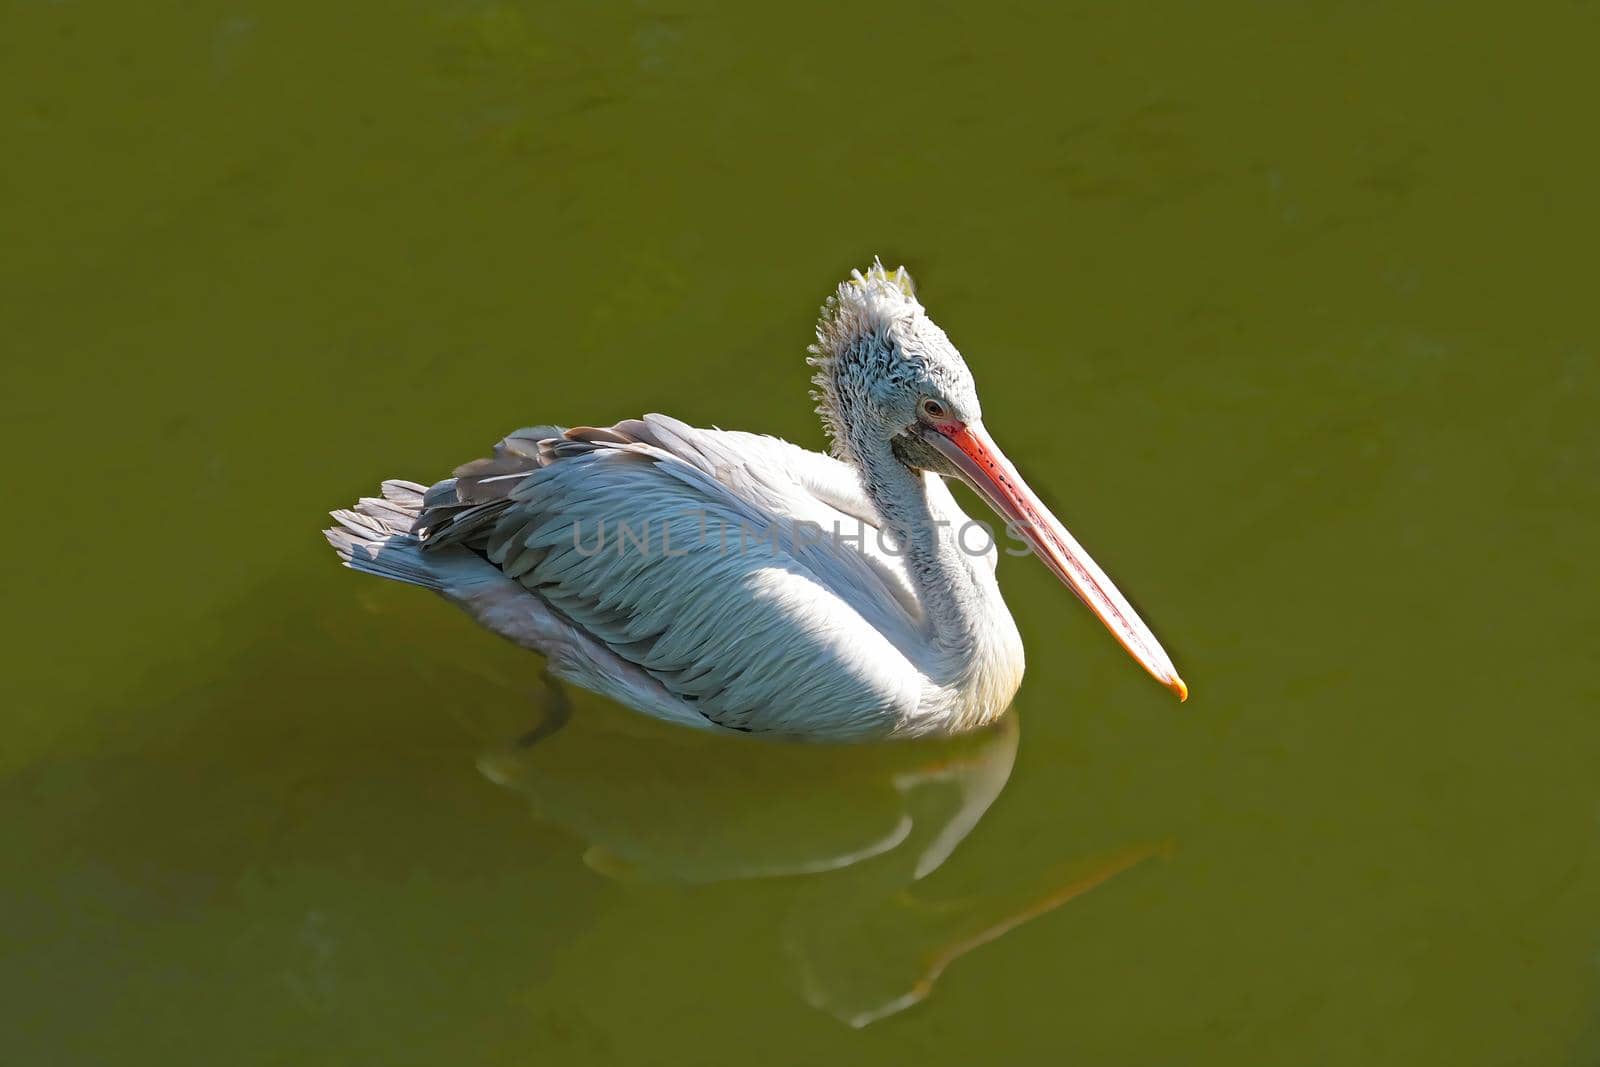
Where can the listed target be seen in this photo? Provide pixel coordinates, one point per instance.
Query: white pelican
(734, 581)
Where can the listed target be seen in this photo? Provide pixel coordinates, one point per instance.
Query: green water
(1287, 308)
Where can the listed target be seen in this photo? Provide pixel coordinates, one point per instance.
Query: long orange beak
(984, 467)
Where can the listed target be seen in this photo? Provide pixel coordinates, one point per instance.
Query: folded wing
(712, 560)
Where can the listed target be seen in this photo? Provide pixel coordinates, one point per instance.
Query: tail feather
(407, 494)
(375, 537)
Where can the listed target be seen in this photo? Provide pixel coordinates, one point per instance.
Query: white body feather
(773, 590)
(732, 616)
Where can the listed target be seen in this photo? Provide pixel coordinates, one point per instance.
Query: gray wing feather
(678, 549)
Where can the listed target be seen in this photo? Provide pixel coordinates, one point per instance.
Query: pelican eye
(934, 409)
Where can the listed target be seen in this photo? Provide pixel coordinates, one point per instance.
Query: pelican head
(887, 376)
(880, 360)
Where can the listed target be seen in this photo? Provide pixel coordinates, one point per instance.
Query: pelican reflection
(858, 827)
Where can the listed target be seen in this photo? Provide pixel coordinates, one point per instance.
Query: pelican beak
(984, 467)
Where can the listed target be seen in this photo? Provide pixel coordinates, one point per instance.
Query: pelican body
(733, 581)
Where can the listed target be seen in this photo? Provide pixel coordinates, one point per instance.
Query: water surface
(1286, 309)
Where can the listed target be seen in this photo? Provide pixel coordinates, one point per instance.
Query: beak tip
(1177, 686)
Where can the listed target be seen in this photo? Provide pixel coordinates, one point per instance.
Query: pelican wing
(711, 560)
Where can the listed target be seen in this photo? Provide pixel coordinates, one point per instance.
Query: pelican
(733, 581)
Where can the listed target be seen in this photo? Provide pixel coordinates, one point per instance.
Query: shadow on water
(859, 828)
